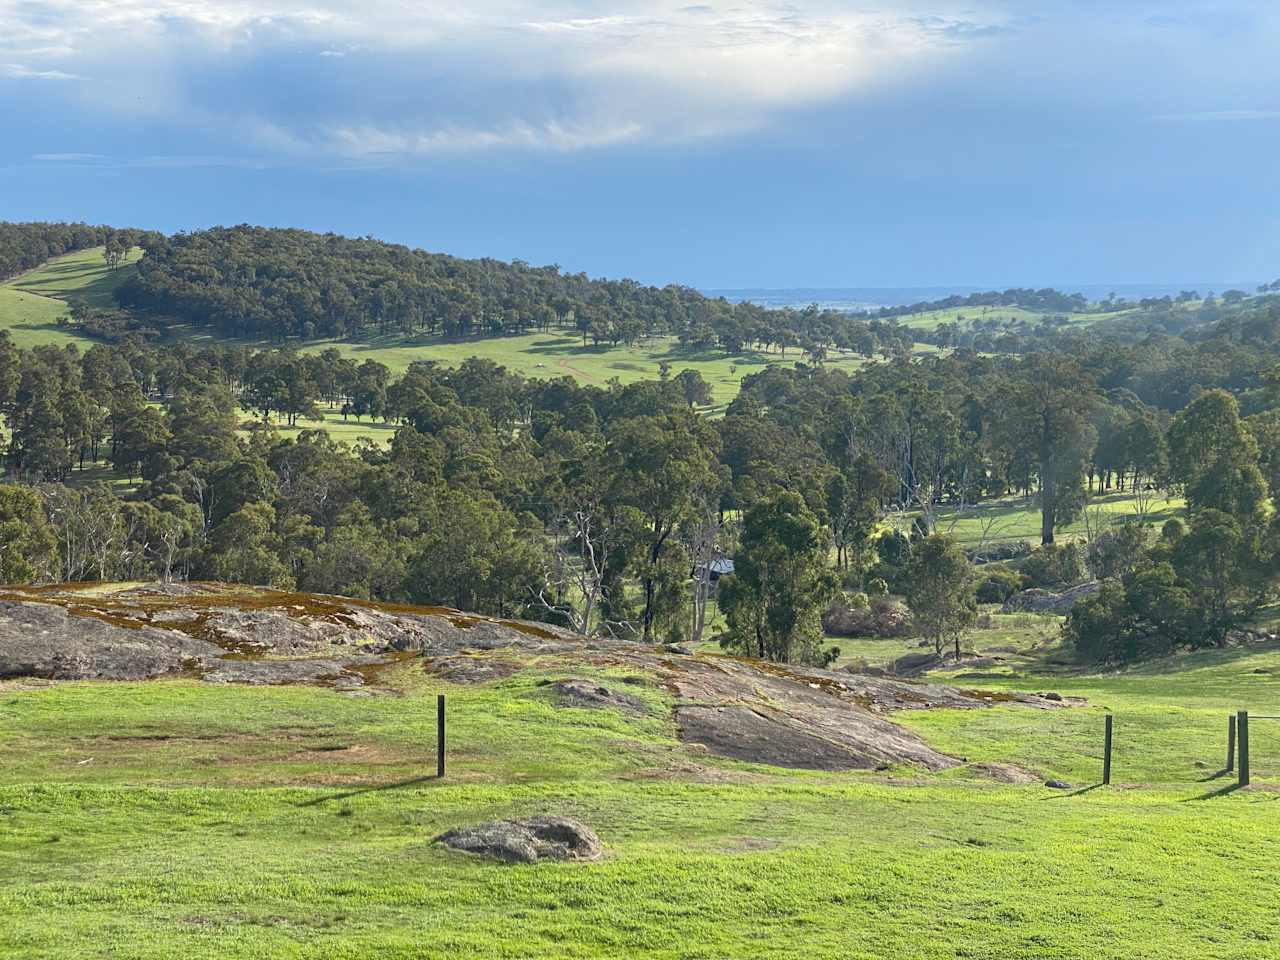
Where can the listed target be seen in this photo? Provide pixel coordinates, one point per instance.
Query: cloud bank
(384, 79)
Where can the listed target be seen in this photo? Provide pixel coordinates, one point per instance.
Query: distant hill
(274, 284)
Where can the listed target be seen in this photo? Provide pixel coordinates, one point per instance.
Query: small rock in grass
(527, 841)
(1052, 696)
(583, 693)
(1057, 785)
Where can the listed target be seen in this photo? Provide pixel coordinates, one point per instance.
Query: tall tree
(1047, 411)
(661, 466)
(773, 600)
(940, 591)
(28, 548)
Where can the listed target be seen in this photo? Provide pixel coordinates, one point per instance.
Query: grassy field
(178, 818)
(82, 275)
(1018, 518)
(1002, 316)
(32, 303)
(559, 354)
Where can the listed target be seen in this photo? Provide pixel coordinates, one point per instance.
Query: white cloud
(490, 75)
(375, 142)
(20, 71)
(93, 158)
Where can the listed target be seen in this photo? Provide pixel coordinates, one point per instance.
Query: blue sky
(745, 144)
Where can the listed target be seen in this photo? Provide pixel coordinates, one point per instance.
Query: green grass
(1018, 518)
(931, 319)
(78, 276)
(559, 354)
(1007, 316)
(32, 303)
(296, 822)
(32, 320)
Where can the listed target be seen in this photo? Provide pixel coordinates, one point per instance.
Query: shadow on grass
(1203, 658)
(376, 788)
(1214, 776)
(1075, 793)
(1220, 792)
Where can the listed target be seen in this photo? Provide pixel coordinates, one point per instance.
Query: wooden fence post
(1106, 752)
(440, 736)
(1231, 744)
(1242, 737)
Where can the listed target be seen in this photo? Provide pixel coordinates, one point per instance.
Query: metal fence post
(1242, 737)
(1106, 752)
(1231, 744)
(440, 736)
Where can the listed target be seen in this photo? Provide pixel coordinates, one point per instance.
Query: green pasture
(560, 354)
(176, 818)
(1018, 518)
(1001, 316)
(32, 303)
(82, 275)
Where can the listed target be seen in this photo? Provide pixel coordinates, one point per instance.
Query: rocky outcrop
(44, 640)
(815, 719)
(527, 841)
(1037, 600)
(735, 708)
(234, 634)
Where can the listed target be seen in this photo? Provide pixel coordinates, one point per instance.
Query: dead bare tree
(700, 537)
(575, 576)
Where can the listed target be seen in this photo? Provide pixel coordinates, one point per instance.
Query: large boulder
(527, 841)
(1037, 600)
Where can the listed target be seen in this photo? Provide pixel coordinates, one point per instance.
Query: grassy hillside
(32, 320)
(1003, 316)
(32, 303)
(181, 818)
(78, 276)
(558, 354)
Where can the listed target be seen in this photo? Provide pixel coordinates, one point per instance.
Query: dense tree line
(599, 507)
(1045, 300)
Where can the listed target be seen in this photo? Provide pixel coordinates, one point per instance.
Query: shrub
(1054, 565)
(856, 616)
(893, 548)
(1009, 550)
(998, 584)
(1117, 551)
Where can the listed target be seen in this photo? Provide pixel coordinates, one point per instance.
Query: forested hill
(275, 284)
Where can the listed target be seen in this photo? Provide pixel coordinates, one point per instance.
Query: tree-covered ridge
(1044, 300)
(274, 284)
